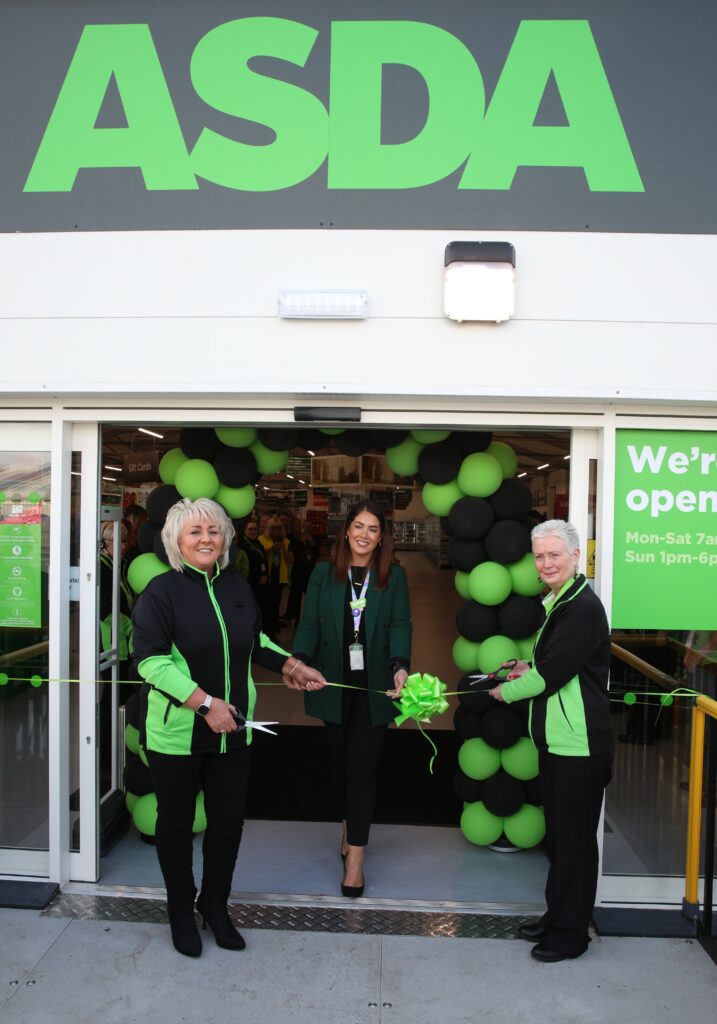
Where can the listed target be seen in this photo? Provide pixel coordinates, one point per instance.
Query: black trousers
(573, 789)
(355, 749)
(177, 781)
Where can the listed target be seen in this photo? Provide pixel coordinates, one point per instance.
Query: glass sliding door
(25, 517)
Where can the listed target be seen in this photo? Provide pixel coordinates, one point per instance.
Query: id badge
(356, 657)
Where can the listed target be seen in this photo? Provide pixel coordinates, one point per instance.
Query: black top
(257, 561)
(358, 677)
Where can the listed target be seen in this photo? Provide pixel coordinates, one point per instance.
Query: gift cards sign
(20, 565)
(665, 549)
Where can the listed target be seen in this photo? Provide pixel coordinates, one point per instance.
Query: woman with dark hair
(356, 630)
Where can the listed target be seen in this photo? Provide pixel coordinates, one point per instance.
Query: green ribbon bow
(421, 697)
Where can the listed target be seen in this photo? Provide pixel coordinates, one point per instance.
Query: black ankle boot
(185, 934)
(215, 915)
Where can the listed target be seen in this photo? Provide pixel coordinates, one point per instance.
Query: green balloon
(34, 497)
(480, 475)
(403, 457)
(131, 738)
(236, 501)
(332, 431)
(144, 568)
(461, 582)
(497, 650)
(506, 457)
(667, 700)
(630, 699)
(521, 760)
(477, 760)
(465, 654)
(525, 647)
(200, 815)
(144, 814)
(430, 436)
(479, 826)
(524, 577)
(526, 827)
(439, 499)
(489, 583)
(236, 437)
(130, 801)
(267, 461)
(170, 463)
(196, 478)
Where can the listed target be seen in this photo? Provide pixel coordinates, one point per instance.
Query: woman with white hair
(567, 684)
(196, 631)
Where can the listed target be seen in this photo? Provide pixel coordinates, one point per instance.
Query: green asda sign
(485, 142)
(665, 551)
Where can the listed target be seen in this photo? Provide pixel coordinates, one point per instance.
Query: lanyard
(359, 603)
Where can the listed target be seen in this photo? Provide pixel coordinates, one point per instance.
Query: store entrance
(309, 483)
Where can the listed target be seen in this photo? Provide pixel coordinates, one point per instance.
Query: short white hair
(558, 528)
(184, 510)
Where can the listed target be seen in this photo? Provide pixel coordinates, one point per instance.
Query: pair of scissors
(498, 675)
(261, 726)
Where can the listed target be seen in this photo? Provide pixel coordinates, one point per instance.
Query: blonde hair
(184, 510)
(107, 533)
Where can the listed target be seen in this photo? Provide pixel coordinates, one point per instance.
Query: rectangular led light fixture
(479, 281)
(323, 304)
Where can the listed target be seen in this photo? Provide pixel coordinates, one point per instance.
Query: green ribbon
(421, 697)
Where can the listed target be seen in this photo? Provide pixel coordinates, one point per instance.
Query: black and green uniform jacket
(192, 630)
(320, 638)
(568, 681)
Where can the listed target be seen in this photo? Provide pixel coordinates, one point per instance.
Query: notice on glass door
(20, 565)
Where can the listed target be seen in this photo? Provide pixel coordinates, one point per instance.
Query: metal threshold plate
(303, 918)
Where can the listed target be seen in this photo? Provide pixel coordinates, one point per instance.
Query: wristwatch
(204, 707)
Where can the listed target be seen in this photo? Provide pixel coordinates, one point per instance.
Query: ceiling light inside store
(479, 281)
(115, 469)
(152, 433)
(546, 465)
(566, 456)
(521, 474)
(323, 304)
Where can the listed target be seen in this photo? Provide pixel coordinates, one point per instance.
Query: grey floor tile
(25, 940)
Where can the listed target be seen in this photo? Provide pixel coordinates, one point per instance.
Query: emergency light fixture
(479, 281)
(324, 304)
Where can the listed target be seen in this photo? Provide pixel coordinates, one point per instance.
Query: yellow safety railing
(703, 707)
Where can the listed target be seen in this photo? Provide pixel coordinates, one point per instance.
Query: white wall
(615, 317)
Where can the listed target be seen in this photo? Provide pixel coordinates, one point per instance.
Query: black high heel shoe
(185, 934)
(217, 917)
(354, 891)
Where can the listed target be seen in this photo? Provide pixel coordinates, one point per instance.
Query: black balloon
(199, 442)
(506, 542)
(501, 727)
(311, 440)
(145, 536)
(466, 725)
(446, 526)
(476, 621)
(475, 699)
(384, 439)
(520, 617)
(465, 554)
(439, 463)
(354, 442)
(471, 518)
(236, 467)
(512, 500)
(137, 778)
(277, 439)
(469, 441)
(467, 789)
(132, 709)
(159, 548)
(502, 794)
(160, 501)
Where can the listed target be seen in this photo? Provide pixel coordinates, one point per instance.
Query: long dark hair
(383, 553)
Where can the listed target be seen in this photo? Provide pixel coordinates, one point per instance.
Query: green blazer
(320, 637)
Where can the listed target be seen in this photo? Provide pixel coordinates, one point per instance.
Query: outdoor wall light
(479, 281)
(324, 304)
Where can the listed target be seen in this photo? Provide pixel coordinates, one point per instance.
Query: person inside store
(356, 629)
(255, 556)
(196, 629)
(567, 685)
(279, 560)
(134, 517)
(126, 599)
(305, 551)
